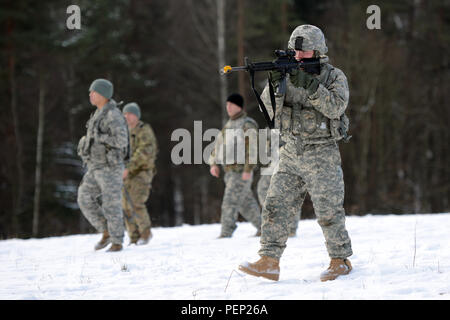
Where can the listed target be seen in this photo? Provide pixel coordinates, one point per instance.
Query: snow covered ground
(395, 257)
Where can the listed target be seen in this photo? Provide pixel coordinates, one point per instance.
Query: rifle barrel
(228, 69)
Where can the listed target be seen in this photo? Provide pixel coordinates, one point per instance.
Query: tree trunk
(40, 140)
(178, 201)
(196, 196)
(240, 42)
(284, 20)
(18, 194)
(221, 54)
(204, 198)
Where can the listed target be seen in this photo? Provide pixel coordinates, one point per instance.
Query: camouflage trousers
(99, 198)
(238, 198)
(318, 167)
(136, 215)
(263, 187)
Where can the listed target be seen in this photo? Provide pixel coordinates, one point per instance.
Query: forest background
(165, 55)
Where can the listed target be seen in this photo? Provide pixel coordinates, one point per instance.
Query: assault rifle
(284, 64)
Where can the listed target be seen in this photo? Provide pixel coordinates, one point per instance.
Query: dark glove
(302, 79)
(275, 77)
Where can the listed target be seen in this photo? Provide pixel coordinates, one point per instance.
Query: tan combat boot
(104, 241)
(338, 267)
(134, 237)
(265, 267)
(146, 235)
(114, 247)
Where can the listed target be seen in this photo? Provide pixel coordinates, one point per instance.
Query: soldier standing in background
(310, 116)
(138, 176)
(238, 196)
(104, 149)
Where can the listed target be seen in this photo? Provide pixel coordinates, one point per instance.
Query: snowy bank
(395, 257)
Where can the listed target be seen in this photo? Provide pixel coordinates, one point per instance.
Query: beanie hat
(237, 99)
(132, 107)
(103, 87)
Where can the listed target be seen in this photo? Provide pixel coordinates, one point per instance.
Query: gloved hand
(305, 80)
(275, 77)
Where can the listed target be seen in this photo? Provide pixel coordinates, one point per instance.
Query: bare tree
(40, 140)
(18, 196)
(221, 54)
(240, 45)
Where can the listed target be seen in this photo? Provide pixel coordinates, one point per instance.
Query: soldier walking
(238, 196)
(103, 150)
(310, 116)
(138, 175)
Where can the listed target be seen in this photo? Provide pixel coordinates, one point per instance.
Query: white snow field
(403, 257)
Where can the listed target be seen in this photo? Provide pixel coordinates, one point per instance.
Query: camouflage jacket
(106, 140)
(144, 149)
(236, 146)
(312, 119)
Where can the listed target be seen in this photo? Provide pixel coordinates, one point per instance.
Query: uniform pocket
(308, 120)
(286, 120)
(113, 157)
(81, 146)
(98, 151)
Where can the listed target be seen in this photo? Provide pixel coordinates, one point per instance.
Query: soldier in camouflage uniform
(238, 196)
(310, 116)
(103, 150)
(138, 176)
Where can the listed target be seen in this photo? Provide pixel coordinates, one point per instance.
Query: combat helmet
(308, 37)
